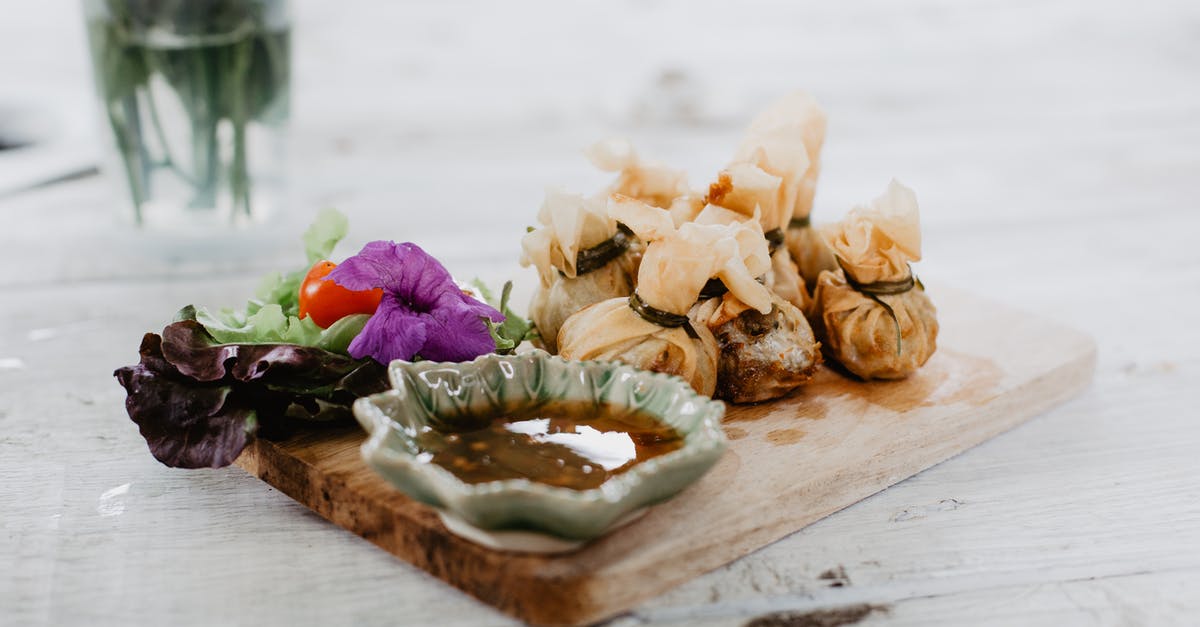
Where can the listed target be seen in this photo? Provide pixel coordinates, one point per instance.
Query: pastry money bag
(748, 190)
(582, 257)
(762, 356)
(785, 140)
(651, 329)
(872, 314)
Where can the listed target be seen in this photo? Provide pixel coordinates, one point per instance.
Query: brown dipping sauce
(569, 445)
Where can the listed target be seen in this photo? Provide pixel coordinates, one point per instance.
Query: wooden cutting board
(790, 463)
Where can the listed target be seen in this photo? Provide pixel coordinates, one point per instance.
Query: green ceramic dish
(432, 392)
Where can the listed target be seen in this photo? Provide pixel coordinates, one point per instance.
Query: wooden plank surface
(790, 463)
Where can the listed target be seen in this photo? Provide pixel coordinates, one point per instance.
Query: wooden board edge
(413, 533)
(1052, 389)
(576, 598)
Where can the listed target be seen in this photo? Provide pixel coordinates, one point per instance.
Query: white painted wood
(1056, 151)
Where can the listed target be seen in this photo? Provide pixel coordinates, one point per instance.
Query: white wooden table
(1055, 148)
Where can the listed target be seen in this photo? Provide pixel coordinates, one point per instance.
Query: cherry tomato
(327, 302)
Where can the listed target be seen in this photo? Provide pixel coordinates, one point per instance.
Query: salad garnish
(310, 343)
(423, 311)
(199, 402)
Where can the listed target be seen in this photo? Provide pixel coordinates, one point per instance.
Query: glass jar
(195, 97)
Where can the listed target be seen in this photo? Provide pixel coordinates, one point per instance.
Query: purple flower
(423, 312)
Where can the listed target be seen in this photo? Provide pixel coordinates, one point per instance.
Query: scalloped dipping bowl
(520, 514)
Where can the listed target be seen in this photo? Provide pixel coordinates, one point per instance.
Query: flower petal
(370, 268)
(394, 332)
(426, 279)
(478, 307)
(423, 311)
(400, 268)
(456, 333)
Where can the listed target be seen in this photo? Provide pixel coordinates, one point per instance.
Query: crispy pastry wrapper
(781, 274)
(873, 333)
(678, 261)
(810, 253)
(876, 243)
(651, 182)
(785, 140)
(749, 190)
(571, 223)
(784, 279)
(716, 311)
(612, 331)
(860, 334)
(552, 305)
(685, 208)
(675, 266)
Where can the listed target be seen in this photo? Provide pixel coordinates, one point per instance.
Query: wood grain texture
(790, 463)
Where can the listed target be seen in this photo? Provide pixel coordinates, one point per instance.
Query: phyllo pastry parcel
(762, 355)
(651, 329)
(786, 140)
(736, 291)
(582, 257)
(872, 314)
(755, 194)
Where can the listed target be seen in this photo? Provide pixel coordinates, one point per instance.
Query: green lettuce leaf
(273, 315)
(320, 239)
(329, 228)
(269, 325)
(278, 289)
(515, 328)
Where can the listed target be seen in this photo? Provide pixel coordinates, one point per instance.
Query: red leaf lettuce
(199, 403)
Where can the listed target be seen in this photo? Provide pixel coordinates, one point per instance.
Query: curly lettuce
(199, 402)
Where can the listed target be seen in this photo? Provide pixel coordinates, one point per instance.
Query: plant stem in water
(221, 63)
(239, 180)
